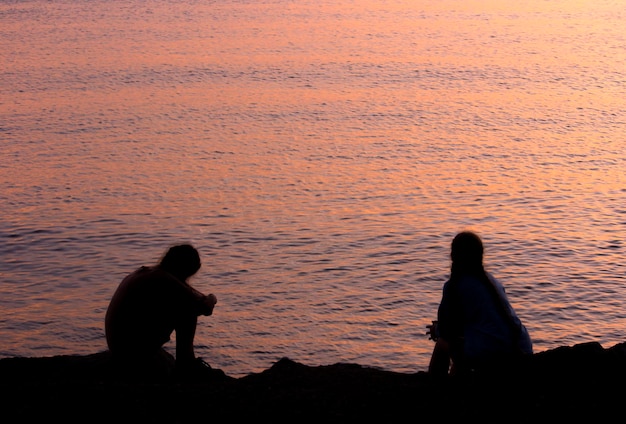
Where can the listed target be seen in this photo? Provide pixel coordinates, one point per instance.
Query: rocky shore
(580, 382)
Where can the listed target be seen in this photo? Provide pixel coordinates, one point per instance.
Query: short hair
(182, 259)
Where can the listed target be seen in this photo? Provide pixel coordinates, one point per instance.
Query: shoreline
(569, 382)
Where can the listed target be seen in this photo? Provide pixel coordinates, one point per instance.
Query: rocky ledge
(580, 382)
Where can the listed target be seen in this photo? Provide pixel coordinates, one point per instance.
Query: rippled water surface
(321, 155)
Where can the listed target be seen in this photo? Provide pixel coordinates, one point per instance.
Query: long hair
(467, 255)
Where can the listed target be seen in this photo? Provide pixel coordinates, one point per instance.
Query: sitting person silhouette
(148, 305)
(476, 326)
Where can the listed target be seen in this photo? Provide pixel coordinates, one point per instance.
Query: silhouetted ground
(578, 383)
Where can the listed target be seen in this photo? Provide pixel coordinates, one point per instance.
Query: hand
(433, 331)
(210, 301)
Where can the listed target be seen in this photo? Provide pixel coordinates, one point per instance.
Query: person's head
(182, 260)
(467, 252)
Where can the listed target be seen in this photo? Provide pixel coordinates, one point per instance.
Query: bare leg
(185, 334)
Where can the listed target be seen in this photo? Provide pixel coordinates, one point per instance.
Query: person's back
(491, 329)
(135, 321)
(476, 325)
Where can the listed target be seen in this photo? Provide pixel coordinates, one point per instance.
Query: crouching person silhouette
(147, 306)
(476, 329)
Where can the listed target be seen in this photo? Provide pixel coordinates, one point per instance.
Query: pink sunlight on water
(321, 156)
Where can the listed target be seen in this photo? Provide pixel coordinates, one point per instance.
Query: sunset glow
(320, 155)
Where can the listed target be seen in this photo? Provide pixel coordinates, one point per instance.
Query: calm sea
(321, 155)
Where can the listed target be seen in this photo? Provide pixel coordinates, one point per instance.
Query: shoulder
(449, 286)
(151, 275)
(468, 282)
(496, 283)
(472, 289)
(452, 292)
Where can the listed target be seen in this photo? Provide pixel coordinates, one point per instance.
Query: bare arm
(203, 304)
(209, 303)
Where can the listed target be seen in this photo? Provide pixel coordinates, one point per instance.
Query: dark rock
(568, 383)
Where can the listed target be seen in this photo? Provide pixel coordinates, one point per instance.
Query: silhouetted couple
(476, 327)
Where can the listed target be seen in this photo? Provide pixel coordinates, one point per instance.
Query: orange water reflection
(321, 154)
